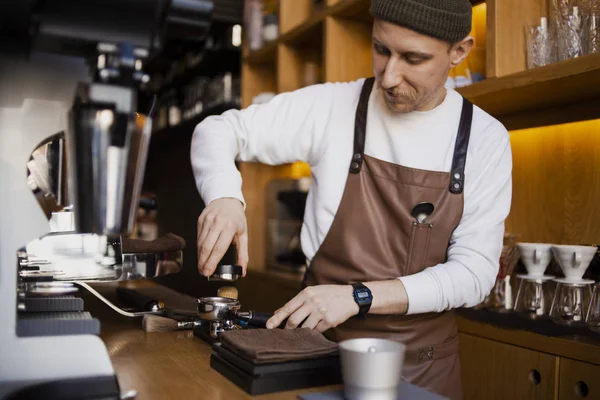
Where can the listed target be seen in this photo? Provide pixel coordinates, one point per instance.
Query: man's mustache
(402, 94)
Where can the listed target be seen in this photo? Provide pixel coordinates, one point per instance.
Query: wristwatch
(363, 297)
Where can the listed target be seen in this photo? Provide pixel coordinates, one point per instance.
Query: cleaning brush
(155, 323)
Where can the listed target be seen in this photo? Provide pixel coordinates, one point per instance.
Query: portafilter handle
(257, 319)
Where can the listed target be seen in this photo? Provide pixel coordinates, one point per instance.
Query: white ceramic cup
(574, 260)
(371, 368)
(536, 257)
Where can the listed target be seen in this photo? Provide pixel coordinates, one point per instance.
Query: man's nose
(392, 76)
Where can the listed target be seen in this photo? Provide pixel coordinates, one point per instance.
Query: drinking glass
(541, 45)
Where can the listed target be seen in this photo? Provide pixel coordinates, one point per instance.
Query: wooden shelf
(213, 62)
(264, 55)
(307, 31)
(351, 9)
(558, 86)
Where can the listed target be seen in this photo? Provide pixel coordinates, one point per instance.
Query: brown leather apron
(373, 237)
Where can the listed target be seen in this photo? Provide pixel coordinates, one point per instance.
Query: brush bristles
(154, 323)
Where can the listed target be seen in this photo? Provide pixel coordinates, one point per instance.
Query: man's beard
(397, 101)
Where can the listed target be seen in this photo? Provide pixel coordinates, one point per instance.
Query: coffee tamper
(228, 273)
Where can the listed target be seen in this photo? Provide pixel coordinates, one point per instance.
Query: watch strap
(366, 306)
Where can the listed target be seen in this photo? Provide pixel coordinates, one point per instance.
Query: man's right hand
(222, 222)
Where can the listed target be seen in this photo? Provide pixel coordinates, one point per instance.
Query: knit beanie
(448, 20)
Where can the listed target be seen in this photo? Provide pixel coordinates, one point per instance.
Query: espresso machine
(71, 71)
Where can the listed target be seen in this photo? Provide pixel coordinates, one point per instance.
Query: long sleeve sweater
(315, 125)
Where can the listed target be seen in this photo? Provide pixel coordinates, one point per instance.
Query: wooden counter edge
(563, 347)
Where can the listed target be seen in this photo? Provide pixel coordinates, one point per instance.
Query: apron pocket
(418, 247)
(435, 352)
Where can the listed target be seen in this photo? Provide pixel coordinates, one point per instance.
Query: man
(411, 186)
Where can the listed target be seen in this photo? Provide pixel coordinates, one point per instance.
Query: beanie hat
(448, 20)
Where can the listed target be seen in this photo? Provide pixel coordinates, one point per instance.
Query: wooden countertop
(177, 364)
(169, 365)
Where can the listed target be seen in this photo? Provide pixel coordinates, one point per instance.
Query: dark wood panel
(579, 348)
(578, 380)
(492, 370)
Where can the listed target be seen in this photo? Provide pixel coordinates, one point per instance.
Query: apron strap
(360, 126)
(457, 173)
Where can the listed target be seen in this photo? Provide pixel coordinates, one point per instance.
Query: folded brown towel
(262, 346)
(163, 244)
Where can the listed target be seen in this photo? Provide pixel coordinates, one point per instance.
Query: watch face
(362, 296)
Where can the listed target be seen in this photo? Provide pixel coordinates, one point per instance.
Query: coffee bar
(100, 292)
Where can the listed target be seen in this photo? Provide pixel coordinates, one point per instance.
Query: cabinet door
(578, 380)
(493, 370)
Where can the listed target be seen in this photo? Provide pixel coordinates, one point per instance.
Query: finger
(218, 251)
(322, 326)
(298, 317)
(242, 252)
(205, 222)
(285, 311)
(206, 248)
(312, 321)
(198, 242)
(208, 223)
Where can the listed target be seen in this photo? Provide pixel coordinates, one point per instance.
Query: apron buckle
(426, 351)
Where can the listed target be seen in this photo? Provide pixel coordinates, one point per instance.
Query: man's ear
(461, 50)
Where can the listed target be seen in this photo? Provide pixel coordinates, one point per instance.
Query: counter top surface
(177, 364)
(168, 365)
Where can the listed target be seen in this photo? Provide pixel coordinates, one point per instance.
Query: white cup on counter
(371, 368)
(574, 260)
(536, 257)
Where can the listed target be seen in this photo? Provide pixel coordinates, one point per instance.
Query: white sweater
(316, 125)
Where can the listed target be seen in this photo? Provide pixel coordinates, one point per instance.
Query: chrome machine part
(217, 308)
(46, 48)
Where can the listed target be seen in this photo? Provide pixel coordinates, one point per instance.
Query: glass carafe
(593, 315)
(534, 297)
(570, 303)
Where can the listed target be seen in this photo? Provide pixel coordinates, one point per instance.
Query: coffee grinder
(76, 67)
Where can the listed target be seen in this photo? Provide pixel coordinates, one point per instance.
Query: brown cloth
(262, 346)
(163, 244)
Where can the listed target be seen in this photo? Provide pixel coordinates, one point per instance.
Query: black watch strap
(364, 304)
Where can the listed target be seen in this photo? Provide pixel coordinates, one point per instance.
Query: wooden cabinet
(493, 370)
(578, 380)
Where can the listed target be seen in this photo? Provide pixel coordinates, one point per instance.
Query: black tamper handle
(259, 319)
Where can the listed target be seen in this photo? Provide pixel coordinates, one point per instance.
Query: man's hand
(221, 223)
(317, 307)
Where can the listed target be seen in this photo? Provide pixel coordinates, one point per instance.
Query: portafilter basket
(217, 308)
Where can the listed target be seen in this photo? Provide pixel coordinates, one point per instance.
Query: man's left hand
(317, 307)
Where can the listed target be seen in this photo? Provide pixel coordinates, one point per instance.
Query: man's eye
(381, 50)
(414, 61)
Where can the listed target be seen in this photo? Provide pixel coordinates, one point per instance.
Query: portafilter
(224, 314)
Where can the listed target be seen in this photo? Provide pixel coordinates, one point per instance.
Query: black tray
(202, 332)
(327, 362)
(275, 382)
